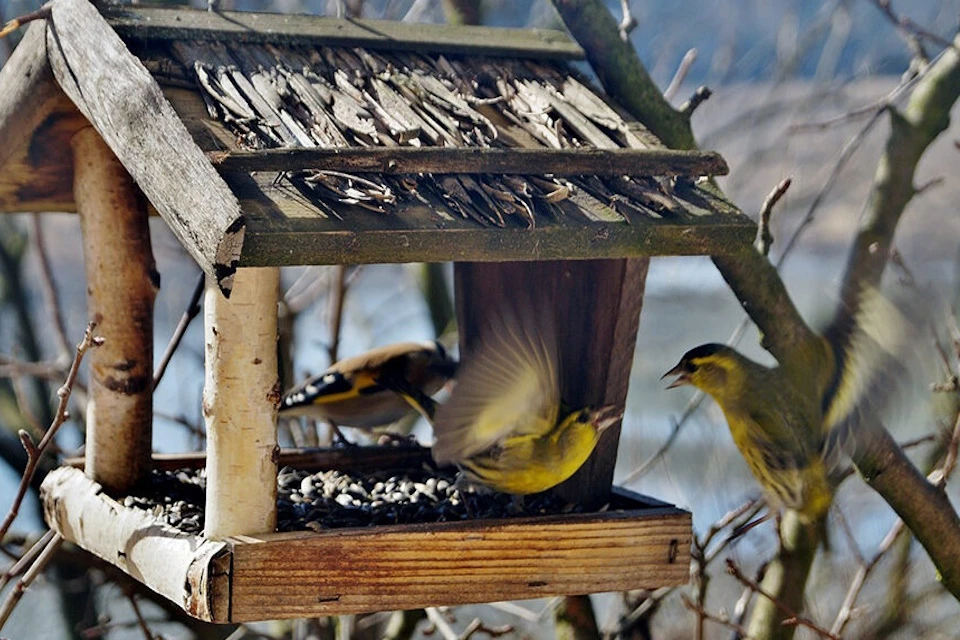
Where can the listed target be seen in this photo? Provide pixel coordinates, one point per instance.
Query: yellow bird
(504, 425)
(375, 388)
(775, 428)
(792, 422)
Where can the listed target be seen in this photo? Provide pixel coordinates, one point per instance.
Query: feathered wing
(510, 385)
(870, 351)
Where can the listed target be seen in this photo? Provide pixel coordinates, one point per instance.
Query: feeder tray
(637, 542)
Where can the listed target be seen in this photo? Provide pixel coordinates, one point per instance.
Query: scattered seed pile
(336, 499)
(289, 96)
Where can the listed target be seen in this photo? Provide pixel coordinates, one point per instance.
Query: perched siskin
(504, 424)
(375, 388)
(792, 422)
(774, 427)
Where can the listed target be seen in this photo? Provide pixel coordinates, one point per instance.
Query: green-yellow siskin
(504, 425)
(792, 422)
(375, 388)
(770, 423)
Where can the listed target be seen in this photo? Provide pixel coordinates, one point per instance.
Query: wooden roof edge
(29, 93)
(25, 77)
(446, 160)
(164, 23)
(120, 98)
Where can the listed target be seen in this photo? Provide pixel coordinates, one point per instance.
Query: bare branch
(191, 312)
(856, 585)
(49, 290)
(722, 620)
(35, 452)
(764, 237)
(441, 625)
(907, 26)
(40, 14)
(26, 559)
(627, 23)
(701, 95)
(682, 70)
(44, 557)
(733, 570)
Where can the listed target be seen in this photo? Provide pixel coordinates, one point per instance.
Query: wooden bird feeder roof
(270, 140)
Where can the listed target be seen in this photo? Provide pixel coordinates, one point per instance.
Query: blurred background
(790, 81)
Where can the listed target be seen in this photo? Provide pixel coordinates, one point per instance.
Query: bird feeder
(272, 140)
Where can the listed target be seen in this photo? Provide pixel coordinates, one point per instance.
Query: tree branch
(620, 71)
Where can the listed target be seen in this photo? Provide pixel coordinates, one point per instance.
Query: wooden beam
(36, 123)
(298, 575)
(178, 566)
(442, 160)
(284, 228)
(596, 304)
(241, 394)
(120, 98)
(185, 24)
(122, 282)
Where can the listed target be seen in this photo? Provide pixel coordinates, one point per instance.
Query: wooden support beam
(597, 308)
(442, 160)
(240, 398)
(140, 23)
(122, 282)
(114, 91)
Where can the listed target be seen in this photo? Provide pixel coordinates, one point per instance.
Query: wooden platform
(637, 543)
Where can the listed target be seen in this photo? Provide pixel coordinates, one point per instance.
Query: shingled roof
(349, 141)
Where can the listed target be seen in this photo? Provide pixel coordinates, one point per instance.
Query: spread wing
(510, 385)
(872, 347)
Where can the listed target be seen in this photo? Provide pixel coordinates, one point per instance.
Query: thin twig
(191, 312)
(35, 452)
(701, 95)
(23, 403)
(25, 559)
(10, 602)
(681, 74)
(950, 461)
(40, 14)
(49, 289)
(722, 620)
(794, 618)
(338, 295)
(441, 625)
(907, 26)
(141, 622)
(11, 367)
(764, 236)
(848, 534)
(627, 22)
(737, 530)
(853, 592)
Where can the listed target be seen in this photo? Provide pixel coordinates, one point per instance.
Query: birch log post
(122, 282)
(240, 399)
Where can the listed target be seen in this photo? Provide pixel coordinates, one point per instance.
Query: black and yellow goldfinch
(504, 425)
(375, 388)
(792, 422)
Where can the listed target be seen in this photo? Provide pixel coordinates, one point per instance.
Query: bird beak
(606, 417)
(683, 377)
